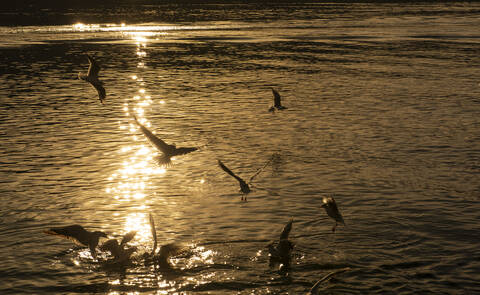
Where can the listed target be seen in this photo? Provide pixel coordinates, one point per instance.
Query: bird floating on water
(119, 252)
(92, 78)
(331, 208)
(244, 186)
(280, 253)
(80, 236)
(161, 259)
(168, 150)
(277, 104)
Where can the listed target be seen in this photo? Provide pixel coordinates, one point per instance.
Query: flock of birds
(279, 251)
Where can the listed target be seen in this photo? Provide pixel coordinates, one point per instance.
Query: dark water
(383, 114)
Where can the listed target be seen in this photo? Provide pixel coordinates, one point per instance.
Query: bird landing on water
(161, 258)
(331, 208)
(280, 253)
(121, 255)
(92, 78)
(80, 236)
(277, 103)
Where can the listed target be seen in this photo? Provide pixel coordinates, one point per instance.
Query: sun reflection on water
(139, 222)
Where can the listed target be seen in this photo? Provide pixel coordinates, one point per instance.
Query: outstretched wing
(75, 233)
(185, 150)
(276, 98)
(261, 169)
(172, 249)
(102, 94)
(315, 288)
(225, 168)
(286, 230)
(128, 237)
(157, 142)
(94, 68)
(154, 233)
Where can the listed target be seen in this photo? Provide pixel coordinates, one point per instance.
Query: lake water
(383, 114)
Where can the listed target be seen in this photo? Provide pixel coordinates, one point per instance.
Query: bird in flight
(80, 236)
(119, 252)
(168, 150)
(277, 104)
(244, 186)
(281, 252)
(331, 208)
(92, 78)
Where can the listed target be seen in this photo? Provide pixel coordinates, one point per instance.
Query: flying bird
(80, 236)
(119, 252)
(280, 253)
(244, 186)
(331, 208)
(168, 150)
(92, 78)
(277, 104)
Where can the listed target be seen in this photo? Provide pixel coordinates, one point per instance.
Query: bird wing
(276, 98)
(102, 94)
(75, 233)
(332, 210)
(172, 249)
(225, 168)
(157, 142)
(185, 150)
(128, 237)
(260, 170)
(94, 68)
(286, 230)
(154, 233)
(112, 246)
(315, 288)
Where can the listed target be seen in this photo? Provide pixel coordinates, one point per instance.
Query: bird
(168, 150)
(244, 186)
(280, 253)
(315, 289)
(277, 104)
(80, 236)
(119, 252)
(331, 208)
(161, 259)
(92, 78)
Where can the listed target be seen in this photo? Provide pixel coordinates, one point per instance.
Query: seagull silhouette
(280, 253)
(80, 236)
(331, 208)
(161, 259)
(168, 150)
(277, 104)
(92, 78)
(120, 254)
(244, 186)
(316, 288)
